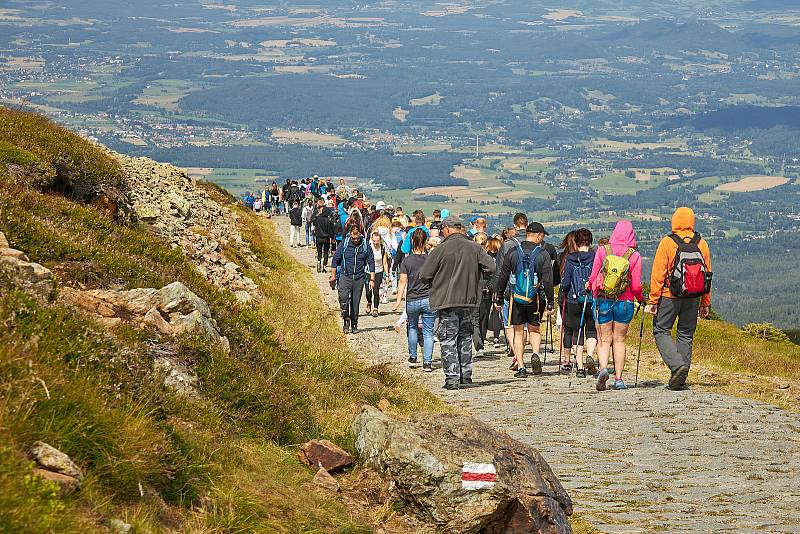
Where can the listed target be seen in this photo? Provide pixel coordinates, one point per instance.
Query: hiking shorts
(522, 314)
(607, 310)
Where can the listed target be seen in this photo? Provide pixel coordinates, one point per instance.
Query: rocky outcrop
(31, 277)
(166, 198)
(56, 466)
(172, 310)
(462, 475)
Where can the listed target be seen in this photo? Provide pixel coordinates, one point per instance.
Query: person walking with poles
(355, 259)
(616, 282)
(454, 271)
(680, 289)
(531, 296)
(577, 314)
(512, 241)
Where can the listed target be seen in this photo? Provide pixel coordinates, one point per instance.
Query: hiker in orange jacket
(692, 282)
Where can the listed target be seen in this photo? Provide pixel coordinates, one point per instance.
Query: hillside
(175, 427)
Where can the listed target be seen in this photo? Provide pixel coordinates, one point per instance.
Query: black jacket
(296, 217)
(455, 271)
(323, 223)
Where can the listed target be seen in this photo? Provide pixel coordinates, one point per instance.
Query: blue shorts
(619, 311)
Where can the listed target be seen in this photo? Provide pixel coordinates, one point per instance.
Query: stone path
(642, 460)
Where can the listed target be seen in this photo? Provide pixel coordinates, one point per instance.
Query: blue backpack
(580, 277)
(526, 282)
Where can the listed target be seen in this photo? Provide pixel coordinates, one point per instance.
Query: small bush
(765, 331)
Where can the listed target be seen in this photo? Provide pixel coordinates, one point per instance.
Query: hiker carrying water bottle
(616, 281)
(680, 288)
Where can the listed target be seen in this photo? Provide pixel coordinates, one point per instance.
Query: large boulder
(463, 475)
(172, 310)
(325, 454)
(31, 277)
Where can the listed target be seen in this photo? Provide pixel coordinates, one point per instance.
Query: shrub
(765, 331)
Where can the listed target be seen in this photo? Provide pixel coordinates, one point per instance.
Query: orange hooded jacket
(683, 225)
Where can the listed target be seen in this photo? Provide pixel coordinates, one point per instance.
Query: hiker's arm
(547, 278)
(502, 280)
(401, 291)
(636, 278)
(337, 257)
(705, 301)
(658, 276)
(566, 283)
(598, 262)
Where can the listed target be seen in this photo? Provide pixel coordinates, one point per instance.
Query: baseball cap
(445, 214)
(380, 205)
(536, 228)
(453, 222)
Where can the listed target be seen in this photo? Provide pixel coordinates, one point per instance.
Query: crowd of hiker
(461, 284)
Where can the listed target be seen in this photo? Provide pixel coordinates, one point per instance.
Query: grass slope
(222, 463)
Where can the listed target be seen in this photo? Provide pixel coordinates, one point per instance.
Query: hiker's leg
(376, 291)
(518, 338)
(509, 330)
(428, 324)
(687, 324)
(465, 332)
(619, 331)
(605, 335)
(448, 338)
(590, 332)
(535, 337)
(569, 324)
(345, 291)
(662, 330)
(413, 310)
(483, 317)
(355, 301)
(476, 329)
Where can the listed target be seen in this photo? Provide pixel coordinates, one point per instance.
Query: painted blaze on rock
(462, 475)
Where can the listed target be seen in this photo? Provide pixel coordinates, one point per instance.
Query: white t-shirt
(376, 253)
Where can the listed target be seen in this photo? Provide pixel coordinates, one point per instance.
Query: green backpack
(615, 273)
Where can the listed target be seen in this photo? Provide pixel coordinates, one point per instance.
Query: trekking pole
(581, 326)
(639, 353)
(561, 342)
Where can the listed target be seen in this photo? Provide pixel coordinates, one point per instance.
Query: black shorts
(522, 314)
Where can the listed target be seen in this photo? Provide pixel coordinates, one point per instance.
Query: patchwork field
(749, 184)
(309, 138)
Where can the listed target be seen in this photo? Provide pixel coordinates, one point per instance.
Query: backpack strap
(629, 253)
(608, 250)
(696, 238)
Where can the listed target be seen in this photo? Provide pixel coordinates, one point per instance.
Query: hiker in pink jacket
(614, 292)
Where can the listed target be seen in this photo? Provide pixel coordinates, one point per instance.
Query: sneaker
(591, 367)
(412, 363)
(536, 364)
(375, 312)
(384, 300)
(369, 309)
(581, 373)
(496, 344)
(513, 366)
(566, 368)
(522, 372)
(346, 326)
(602, 378)
(353, 329)
(450, 386)
(479, 354)
(427, 367)
(619, 384)
(678, 379)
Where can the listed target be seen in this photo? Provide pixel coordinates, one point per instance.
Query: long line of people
(459, 284)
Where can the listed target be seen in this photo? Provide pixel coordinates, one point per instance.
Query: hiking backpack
(580, 277)
(615, 272)
(689, 276)
(526, 282)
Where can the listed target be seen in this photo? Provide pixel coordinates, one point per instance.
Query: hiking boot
(319, 266)
(450, 386)
(369, 309)
(412, 363)
(346, 326)
(566, 368)
(591, 367)
(427, 367)
(678, 379)
(354, 329)
(522, 372)
(581, 373)
(375, 312)
(619, 384)
(536, 364)
(602, 378)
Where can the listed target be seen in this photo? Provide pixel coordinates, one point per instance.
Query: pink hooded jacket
(622, 238)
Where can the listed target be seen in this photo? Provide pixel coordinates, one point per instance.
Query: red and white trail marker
(476, 476)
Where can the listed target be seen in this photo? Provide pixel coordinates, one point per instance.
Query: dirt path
(642, 460)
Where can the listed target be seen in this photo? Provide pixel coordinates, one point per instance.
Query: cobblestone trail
(642, 460)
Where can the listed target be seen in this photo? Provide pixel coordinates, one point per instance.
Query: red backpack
(689, 277)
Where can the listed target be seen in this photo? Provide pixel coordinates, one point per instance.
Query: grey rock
(31, 277)
(177, 376)
(118, 526)
(430, 458)
(52, 459)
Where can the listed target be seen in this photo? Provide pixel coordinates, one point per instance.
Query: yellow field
(562, 14)
(622, 146)
(753, 183)
(310, 138)
(20, 62)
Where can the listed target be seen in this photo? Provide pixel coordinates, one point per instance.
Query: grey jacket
(454, 271)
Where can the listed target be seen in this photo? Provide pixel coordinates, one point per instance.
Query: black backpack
(689, 276)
